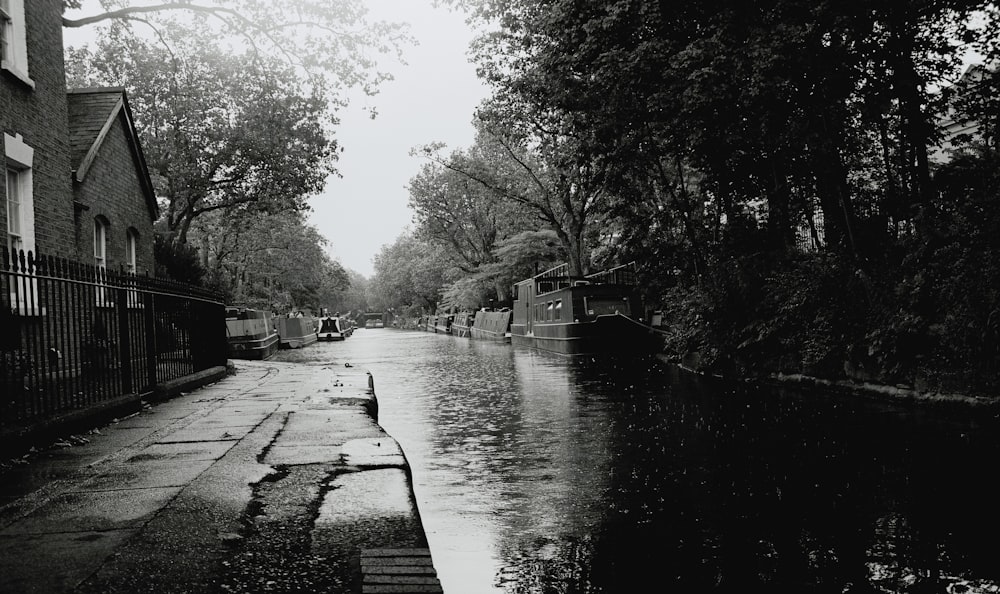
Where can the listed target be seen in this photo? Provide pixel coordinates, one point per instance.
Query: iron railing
(74, 336)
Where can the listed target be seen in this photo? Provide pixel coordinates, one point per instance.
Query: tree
(409, 273)
(326, 40)
(275, 259)
(219, 130)
(466, 220)
(782, 103)
(538, 167)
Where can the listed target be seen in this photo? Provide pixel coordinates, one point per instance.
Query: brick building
(76, 184)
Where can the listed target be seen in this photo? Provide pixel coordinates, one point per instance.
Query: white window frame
(15, 243)
(18, 160)
(14, 48)
(131, 244)
(131, 248)
(100, 244)
(101, 261)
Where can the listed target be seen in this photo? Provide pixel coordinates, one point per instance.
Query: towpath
(275, 479)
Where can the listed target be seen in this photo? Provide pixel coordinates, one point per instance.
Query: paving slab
(55, 562)
(98, 510)
(375, 451)
(146, 474)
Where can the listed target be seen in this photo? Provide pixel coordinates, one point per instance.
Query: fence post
(149, 320)
(124, 339)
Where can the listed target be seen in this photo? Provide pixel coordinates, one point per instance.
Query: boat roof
(623, 274)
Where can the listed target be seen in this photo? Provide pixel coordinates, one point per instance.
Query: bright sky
(431, 99)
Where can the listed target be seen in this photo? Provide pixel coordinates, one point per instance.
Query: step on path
(398, 571)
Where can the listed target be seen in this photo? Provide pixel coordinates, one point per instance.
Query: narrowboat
(600, 313)
(442, 323)
(333, 328)
(491, 325)
(294, 333)
(250, 333)
(461, 324)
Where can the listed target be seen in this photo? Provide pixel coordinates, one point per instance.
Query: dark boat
(250, 333)
(461, 324)
(491, 325)
(297, 332)
(595, 314)
(442, 323)
(333, 328)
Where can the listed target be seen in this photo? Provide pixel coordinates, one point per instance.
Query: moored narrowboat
(442, 323)
(599, 313)
(294, 333)
(250, 333)
(491, 325)
(333, 328)
(461, 324)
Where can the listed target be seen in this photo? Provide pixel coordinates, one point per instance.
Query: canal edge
(899, 394)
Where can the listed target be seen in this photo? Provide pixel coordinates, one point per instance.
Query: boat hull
(491, 325)
(257, 349)
(250, 334)
(295, 333)
(606, 335)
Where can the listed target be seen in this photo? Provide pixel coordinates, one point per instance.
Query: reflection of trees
(607, 478)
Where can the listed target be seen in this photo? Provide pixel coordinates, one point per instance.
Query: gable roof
(92, 113)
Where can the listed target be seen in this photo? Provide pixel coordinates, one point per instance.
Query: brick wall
(39, 116)
(111, 190)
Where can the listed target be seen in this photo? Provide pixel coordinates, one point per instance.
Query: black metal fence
(74, 336)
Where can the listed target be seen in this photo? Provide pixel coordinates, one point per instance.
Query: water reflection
(536, 473)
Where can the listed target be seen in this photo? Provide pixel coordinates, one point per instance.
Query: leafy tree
(274, 259)
(331, 42)
(466, 220)
(219, 130)
(409, 273)
(541, 170)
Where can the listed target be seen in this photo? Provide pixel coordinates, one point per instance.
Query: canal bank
(900, 394)
(277, 478)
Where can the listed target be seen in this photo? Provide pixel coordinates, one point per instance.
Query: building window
(13, 42)
(131, 241)
(558, 311)
(6, 29)
(15, 243)
(20, 206)
(20, 224)
(100, 244)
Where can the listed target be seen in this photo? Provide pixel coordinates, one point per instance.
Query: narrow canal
(537, 473)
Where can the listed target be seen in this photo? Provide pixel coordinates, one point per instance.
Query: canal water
(536, 473)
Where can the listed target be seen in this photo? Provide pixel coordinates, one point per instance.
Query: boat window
(597, 306)
(558, 312)
(548, 311)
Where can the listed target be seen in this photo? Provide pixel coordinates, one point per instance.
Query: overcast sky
(431, 99)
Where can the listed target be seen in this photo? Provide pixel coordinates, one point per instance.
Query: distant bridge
(377, 316)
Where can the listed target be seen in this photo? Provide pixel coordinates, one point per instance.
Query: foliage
(331, 42)
(179, 262)
(272, 259)
(409, 273)
(218, 129)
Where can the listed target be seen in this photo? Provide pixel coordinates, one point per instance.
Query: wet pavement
(278, 478)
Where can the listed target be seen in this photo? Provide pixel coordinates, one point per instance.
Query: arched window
(131, 246)
(100, 243)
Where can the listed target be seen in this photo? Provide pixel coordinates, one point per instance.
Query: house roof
(92, 113)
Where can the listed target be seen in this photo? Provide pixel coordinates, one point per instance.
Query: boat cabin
(556, 297)
(569, 314)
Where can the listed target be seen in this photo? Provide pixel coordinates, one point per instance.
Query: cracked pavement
(274, 479)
